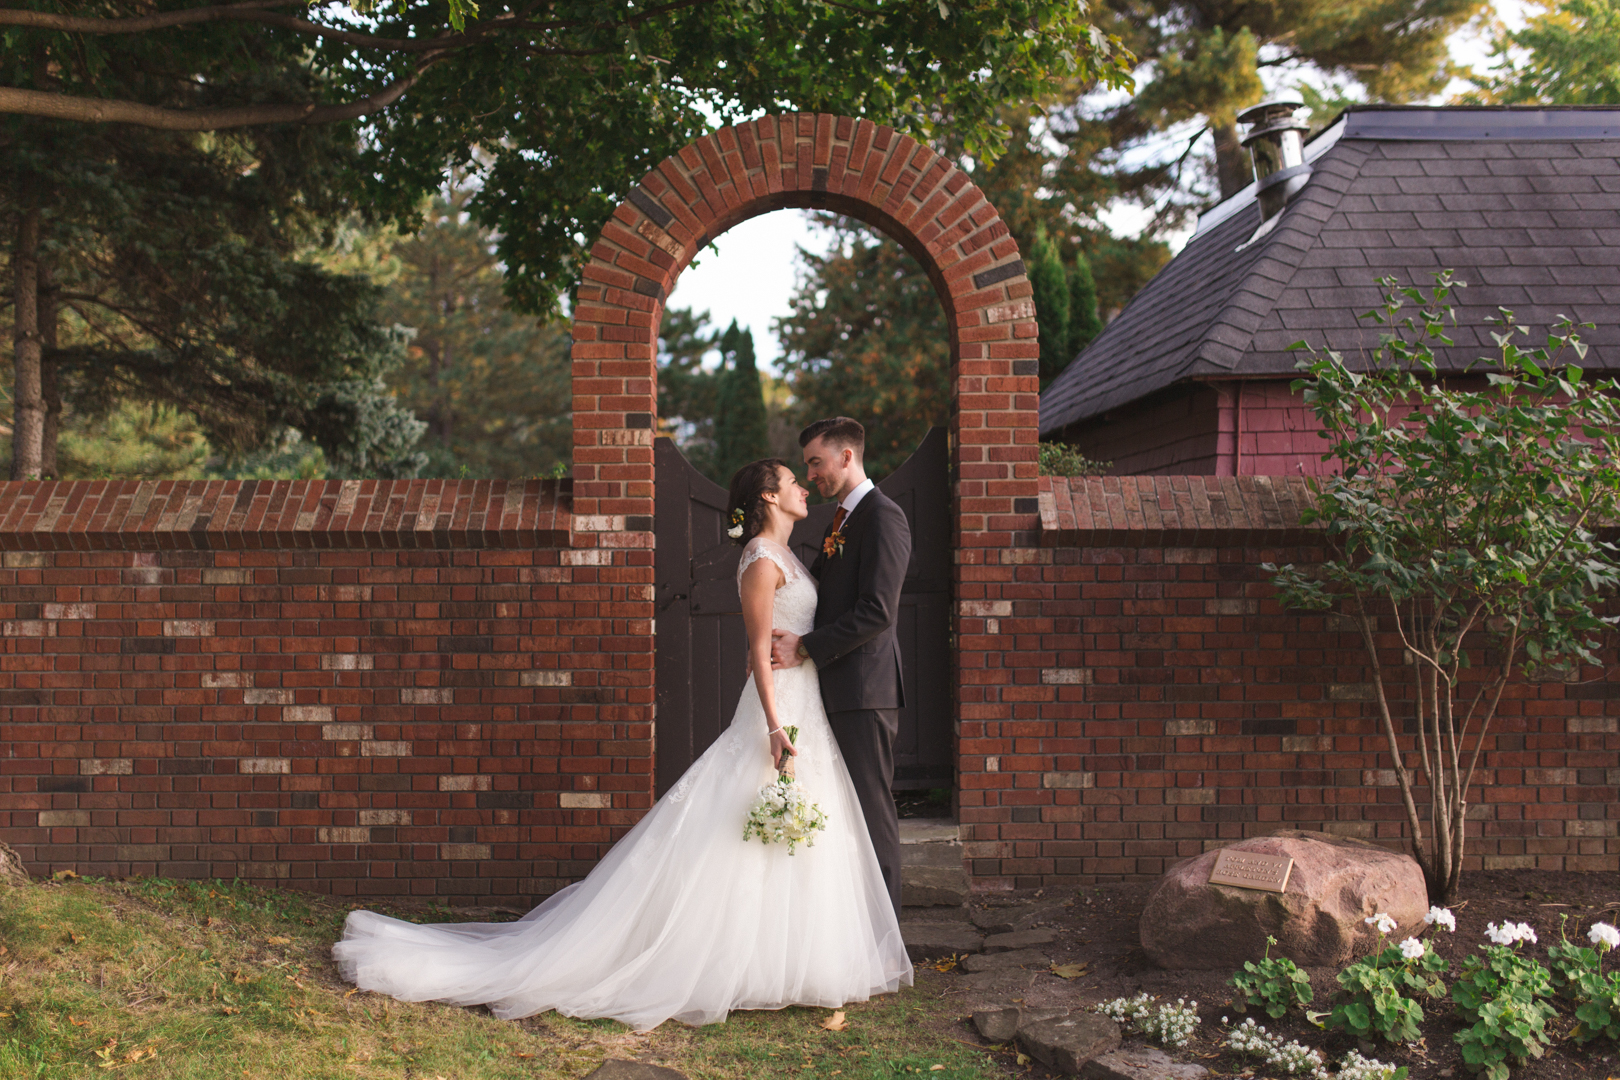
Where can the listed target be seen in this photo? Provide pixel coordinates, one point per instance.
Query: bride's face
(792, 499)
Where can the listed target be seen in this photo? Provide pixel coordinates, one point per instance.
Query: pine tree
(740, 425)
(1051, 285)
(1084, 324)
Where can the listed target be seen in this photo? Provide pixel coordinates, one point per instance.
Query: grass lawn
(212, 980)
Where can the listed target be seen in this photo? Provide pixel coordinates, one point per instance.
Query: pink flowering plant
(1379, 992)
(1504, 997)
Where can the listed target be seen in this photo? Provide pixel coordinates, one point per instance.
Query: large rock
(1140, 1063)
(1001, 1024)
(997, 989)
(1020, 939)
(1337, 882)
(1066, 1043)
(933, 886)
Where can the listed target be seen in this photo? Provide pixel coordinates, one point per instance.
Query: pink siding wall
(1249, 428)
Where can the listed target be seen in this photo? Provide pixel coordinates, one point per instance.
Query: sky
(750, 271)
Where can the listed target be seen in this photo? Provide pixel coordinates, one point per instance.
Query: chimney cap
(1274, 115)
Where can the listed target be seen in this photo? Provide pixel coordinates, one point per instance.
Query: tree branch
(87, 110)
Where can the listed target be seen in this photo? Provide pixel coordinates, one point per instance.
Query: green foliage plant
(1577, 973)
(1567, 53)
(1379, 990)
(1273, 984)
(1461, 526)
(1060, 459)
(1504, 999)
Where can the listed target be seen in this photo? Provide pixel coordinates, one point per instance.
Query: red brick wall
(1155, 701)
(356, 687)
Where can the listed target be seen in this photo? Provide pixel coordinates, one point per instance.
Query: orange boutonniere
(834, 544)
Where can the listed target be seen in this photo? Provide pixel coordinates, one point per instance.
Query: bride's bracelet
(774, 730)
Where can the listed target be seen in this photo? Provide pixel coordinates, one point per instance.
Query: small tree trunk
(49, 311)
(28, 417)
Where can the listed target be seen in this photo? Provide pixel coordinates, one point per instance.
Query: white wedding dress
(682, 918)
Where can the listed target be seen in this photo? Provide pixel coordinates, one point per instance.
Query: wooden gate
(701, 650)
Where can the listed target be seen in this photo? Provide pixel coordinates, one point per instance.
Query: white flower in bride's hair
(735, 532)
(1604, 936)
(1412, 949)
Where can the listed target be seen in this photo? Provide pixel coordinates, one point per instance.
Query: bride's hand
(779, 743)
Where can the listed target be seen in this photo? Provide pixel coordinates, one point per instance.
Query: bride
(684, 918)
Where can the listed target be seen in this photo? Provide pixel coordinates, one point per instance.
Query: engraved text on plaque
(1250, 870)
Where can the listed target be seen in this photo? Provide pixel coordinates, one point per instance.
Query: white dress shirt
(854, 498)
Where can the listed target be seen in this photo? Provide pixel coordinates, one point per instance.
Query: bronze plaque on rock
(1251, 870)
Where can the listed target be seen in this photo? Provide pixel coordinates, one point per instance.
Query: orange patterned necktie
(838, 518)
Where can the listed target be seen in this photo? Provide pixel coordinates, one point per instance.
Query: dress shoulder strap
(760, 548)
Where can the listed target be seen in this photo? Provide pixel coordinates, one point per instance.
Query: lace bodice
(795, 609)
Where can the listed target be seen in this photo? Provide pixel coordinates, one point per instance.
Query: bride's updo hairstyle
(748, 484)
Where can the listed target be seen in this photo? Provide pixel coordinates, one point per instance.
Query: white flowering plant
(1166, 1024)
(1378, 992)
(783, 813)
(1504, 997)
(1273, 984)
(1577, 972)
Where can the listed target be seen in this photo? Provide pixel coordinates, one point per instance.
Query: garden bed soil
(1097, 927)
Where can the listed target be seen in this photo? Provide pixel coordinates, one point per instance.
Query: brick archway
(888, 180)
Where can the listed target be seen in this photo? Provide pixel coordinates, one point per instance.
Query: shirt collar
(854, 498)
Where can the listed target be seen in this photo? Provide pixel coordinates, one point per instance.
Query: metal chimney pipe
(1277, 147)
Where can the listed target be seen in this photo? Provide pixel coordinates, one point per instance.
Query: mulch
(1097, 926)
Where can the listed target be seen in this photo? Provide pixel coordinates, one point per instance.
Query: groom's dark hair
(839, 431)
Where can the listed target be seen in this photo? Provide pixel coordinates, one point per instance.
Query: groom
(860, 570)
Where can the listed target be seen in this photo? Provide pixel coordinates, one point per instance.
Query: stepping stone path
(1140, 1063)
(1002, 951)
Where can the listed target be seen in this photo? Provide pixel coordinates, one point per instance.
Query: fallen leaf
(1068, 971)
(278, 941)
(77, 1022)
(75, 938)
(228, 1011)
(836, 1021)
(64, 875)
(936, 1068)
(1023, 1059)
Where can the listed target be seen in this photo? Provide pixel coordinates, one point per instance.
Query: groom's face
(828, 467)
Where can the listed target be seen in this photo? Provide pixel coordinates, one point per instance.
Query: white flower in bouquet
(783, 813)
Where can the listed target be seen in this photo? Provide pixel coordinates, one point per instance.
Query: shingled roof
(1522, 204)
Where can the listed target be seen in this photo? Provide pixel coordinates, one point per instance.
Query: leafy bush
(1058, 459)
(1273, 984)
(1577, 972)
(1468, 513)
(1376, 990)
(1504, 996)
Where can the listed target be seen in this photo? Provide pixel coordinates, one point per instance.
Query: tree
(493, 387)
(1084, 322)
(171, 268)
(740, 419)
(1199, 65)
(688, 389)
(573, 101)
(1568, 54)
(867, 338)
(1461, 529)
(1051, 295)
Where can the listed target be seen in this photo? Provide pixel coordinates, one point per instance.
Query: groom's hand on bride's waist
(785, 650)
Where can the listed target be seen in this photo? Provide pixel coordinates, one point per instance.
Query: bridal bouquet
(783, 812)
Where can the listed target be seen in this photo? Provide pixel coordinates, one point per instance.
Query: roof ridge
(1302, 219)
